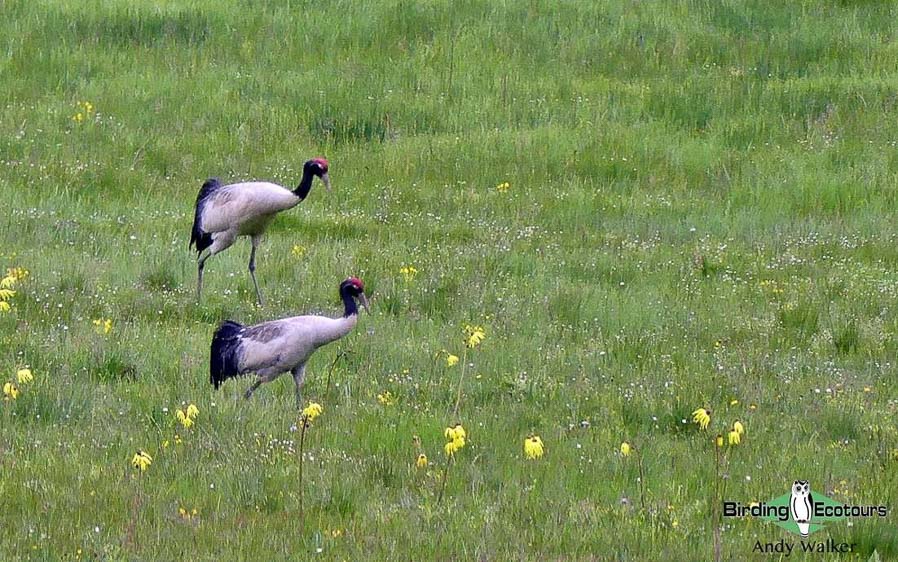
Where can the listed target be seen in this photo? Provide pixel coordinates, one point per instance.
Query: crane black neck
(305, 185)
(350, 308)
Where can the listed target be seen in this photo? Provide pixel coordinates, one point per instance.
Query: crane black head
(352, 289)
(317, 167)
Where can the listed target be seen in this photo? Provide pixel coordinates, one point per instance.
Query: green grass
(701, 213)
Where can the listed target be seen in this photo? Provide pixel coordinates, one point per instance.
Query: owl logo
(801, 506)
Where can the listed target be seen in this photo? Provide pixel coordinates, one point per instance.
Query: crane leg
(251, 389)
(201, 263)
(299, 377)
(252, 268)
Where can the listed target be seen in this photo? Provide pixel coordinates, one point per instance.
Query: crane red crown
(357, 282)
(321, 162)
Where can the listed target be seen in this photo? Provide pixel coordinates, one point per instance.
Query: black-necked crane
(224, 212)
(272, 348)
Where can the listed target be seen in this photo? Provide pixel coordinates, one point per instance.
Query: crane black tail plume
(198, 236)
(225, 353)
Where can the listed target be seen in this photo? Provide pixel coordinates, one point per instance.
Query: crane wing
(235, 204)
(263, 345)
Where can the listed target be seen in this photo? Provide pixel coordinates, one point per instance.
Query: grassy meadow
(700, 212)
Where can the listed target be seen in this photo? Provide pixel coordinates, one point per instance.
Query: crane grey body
(270, 349)
(225, 212)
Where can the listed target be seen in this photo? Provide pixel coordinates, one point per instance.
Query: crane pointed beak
(327, 181)
(364, 300)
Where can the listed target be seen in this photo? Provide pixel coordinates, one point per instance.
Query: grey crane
(272, 348)
(224, 212)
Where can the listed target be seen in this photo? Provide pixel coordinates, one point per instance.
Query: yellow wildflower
(141, 460)
(733, 402)
(702, 417)
(298, 250)
(10, 392)
(457, 436)
(408, 272)
(451, 360)
(738, 427)
(734, 437)
(452, 446)
(386, 398)
(718, 440)
(503, 187)
(187, 515)
(185, 419)
(17, 273)
(455, 432)
(421, 461)
(103, 326)
(192, 411)
(85, 109)
(625, 449)
(533, 447)
(24, 376)
(474, 335)
(312, 411)
(5, 295)
(6, 288)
